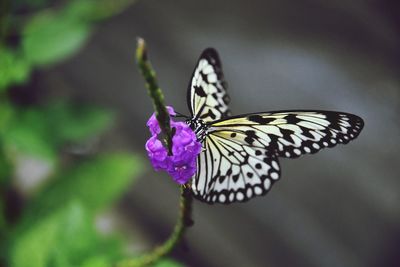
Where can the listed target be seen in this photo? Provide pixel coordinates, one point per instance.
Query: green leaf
(28, 133)
(64, 238)
(75, 123)
(95, 183)
(48, 237)
(41, 132)
(99, 261)
(94, 10)
(51, 37)
(34, 247)
(6, 114)
(13, 68)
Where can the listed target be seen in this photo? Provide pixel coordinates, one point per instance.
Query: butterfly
(240, 157)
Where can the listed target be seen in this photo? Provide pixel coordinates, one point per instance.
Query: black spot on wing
(250, 136)
(292, 119)
(306, 132)
(251, 133)
(260, 119)
(249, 140)
(209, 114)
(204, 77)
(287, 135)
(199, 91)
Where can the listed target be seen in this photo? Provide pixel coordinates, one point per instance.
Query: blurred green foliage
(65, 237)
(41, 131)
(46, 35)
(89, 182)
(50, 37)
(54, 224)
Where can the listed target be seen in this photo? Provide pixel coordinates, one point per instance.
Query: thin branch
(164, 249)
(155, 92)
(185, 211)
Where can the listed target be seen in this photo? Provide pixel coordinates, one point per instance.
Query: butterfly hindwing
(292, 133)
(207, 96)
(230, 170)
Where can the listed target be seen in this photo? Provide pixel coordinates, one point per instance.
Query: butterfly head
(199, 127)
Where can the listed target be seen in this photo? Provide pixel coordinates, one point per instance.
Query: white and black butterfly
(240, 153)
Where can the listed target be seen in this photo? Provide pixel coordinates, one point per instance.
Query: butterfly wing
(207, 96)
(230, 170)
(293, 133)
(234, 147)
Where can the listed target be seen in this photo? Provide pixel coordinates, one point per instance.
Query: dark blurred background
(337, 208)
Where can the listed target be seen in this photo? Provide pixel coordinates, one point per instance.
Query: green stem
(162, 116)
(183, 222)
(155, 92)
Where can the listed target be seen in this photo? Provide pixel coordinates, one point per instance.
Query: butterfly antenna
(180, 115)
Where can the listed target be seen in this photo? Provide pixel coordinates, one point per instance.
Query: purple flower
(181, 165)
(157, 153)
(152, 123)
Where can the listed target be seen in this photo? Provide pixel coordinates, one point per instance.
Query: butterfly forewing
(292, 133)
(207, 96)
